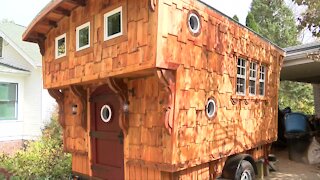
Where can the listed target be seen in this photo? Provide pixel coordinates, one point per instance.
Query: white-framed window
(8, 101)
(113, 24)
(83, 36)
(252, 78)
(241, 77)
(262, 79)
(61, 46)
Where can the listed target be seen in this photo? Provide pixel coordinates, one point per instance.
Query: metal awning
(302, 63)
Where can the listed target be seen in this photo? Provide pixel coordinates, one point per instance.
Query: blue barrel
(296, 123)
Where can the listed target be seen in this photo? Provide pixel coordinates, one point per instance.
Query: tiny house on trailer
(158, 89)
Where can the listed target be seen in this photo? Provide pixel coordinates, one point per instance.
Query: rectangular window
(1, 44)
(262, 79)
(252, 78)
(113, 24)
(83, 36)
(61, 46)
(241, 76)
(8, 101)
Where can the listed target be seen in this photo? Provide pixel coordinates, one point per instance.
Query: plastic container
(296, 123)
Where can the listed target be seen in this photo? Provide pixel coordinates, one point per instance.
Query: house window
(241, 76)
(252, 78)
(8, 101)
(83, 36)
(113, 24)
(61, 46)
(262, 80)
(1, 43)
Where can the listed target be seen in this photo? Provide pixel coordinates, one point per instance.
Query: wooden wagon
(158, 89)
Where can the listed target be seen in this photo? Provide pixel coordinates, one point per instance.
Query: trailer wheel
(245, 171)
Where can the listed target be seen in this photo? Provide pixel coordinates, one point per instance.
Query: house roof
(58, 9)
(4, 68)
(302, 63)
(48, 18)
(12, 33)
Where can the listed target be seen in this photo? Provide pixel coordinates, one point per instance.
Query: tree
(276, 21)
(235, 17)
(251, 22)
(311, 17)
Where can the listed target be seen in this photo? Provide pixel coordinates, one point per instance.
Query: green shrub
(41, 159)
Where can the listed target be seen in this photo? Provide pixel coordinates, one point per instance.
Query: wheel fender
(233, 163)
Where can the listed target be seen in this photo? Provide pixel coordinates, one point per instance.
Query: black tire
(245, 171)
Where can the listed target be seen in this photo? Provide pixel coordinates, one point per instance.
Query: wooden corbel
(167, 79)
(59, 97)
(153, 4)
(81, 94)
(121, 89)
(41, 43)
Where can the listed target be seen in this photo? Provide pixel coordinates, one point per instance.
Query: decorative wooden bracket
(121, 89)
(59, 97)
(234, 101)
(81, 94)
(41, 47)
(153, 4)
(167, 79)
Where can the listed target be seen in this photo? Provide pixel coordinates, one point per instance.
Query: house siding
(31, 98)
(12, 129)
(10, 55)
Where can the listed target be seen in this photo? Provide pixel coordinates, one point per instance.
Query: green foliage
(275, 21)
(235, 17)
(251, 22)
(298, 96)
(42, 159)
(311, 17)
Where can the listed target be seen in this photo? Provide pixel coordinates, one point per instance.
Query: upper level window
(241, 76)
(113, 24)
(262, 79)
(61, 46)
(83, 36)
(252, 78)
(8, 101)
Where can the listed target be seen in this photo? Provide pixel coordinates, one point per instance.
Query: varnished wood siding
(148, 140)
(208, 67)
(132, 52)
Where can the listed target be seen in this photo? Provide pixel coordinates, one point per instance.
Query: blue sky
(23, 11)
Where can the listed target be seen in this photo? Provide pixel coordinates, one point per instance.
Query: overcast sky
(23, 11)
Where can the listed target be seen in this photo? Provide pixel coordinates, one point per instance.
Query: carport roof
(302, 63)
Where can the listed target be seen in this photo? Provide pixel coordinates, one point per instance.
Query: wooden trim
(102, 135)
(81, 94)
(121, 89)
(168, 79)
(59, 97)
(78, 2)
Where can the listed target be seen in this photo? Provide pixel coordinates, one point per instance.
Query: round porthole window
(106, 113)
(194, 23)
(211, 108)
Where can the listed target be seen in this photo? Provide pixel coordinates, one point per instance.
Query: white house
(24, 105)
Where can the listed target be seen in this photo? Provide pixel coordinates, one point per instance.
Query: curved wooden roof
(49, 17)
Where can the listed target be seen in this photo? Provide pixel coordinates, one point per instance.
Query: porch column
(316, 97)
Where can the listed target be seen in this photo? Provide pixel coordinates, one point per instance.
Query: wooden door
(106, 137)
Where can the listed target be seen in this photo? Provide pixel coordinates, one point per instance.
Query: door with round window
(106, 135)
